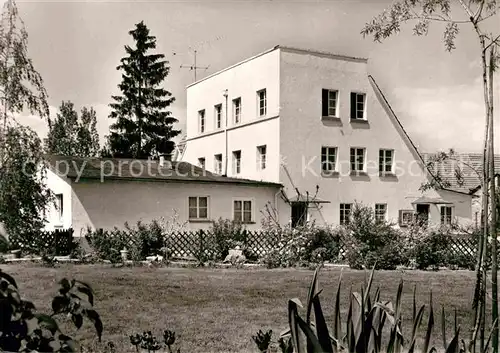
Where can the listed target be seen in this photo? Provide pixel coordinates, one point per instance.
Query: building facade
(107, 193)
(320, 125)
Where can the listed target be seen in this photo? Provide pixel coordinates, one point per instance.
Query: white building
(318, 124)
(106, 193)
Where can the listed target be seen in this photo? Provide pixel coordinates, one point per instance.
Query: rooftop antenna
(194, 67)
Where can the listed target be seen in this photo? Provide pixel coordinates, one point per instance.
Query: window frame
(261, 157)
(261, 109)
(202, 123)
(355, 109)
(252, 209)
(446, 220)
(382, 161)
(377, 212)
(237, 110)
(198, 218)
(236, 162)
(218, 163)
(342, 216)
(218, 116)
(326, 100)
(326, 160)
(60, 206)
(402, 214)
(356, 149)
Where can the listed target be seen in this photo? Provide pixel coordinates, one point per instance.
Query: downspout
(280, 191)
(225, 135)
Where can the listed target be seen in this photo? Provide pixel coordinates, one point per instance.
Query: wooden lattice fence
(195, 244)
(463, 245)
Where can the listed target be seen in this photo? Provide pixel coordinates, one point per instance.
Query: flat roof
(288, 49)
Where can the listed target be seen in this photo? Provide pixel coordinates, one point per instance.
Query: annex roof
(140, 170)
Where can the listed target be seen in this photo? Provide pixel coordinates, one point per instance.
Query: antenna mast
(194, 67)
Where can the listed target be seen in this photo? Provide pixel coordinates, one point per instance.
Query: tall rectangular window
(446, 215)
(218, 116)
(201, 120)
(357, 159)
(218, 163)
(198, 207)
(60, 206)
(358, 106)
(262, 102)
(345, 213)
(385, 161)
(243, 211)
(236, 162)
(380, 212)
(237, 110)
(261, 157)
(328, 159)
(329, 103)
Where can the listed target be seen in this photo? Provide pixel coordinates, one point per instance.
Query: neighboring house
(106, 193)
(463, 172)
(313, 121)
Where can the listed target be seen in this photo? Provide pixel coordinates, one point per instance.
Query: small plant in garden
(263, 340)
(150, 343)
(22, 328)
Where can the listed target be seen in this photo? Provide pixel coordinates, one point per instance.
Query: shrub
(226, 234)
(432, 250)
(370, 242)
(107, 244)
(22, 328)
(145, 239)
(459, 260)
(4, 244)
(325, 238)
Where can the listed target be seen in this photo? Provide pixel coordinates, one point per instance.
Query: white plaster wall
(243, 80)
(112, 203)
(59, 185)
(303, 133)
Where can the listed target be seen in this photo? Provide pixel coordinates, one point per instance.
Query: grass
(218, 310)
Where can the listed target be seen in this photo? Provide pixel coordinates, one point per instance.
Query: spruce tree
(143, 126)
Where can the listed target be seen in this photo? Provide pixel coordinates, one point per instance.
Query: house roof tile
(462, 171)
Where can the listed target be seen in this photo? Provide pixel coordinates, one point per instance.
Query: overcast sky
(76, 47)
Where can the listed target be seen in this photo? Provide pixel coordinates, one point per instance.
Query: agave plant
(364, 326)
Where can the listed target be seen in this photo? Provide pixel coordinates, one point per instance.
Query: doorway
(423, 211)
(299, 214)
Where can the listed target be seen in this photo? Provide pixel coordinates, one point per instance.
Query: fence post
(200, 234)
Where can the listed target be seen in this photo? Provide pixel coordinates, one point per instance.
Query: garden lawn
(218, 310)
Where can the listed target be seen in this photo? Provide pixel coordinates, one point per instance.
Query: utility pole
(194, 67)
